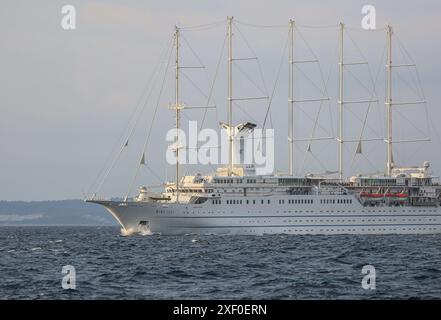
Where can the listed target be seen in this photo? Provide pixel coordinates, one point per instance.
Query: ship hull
(264, 218)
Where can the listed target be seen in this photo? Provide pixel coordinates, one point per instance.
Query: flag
(359, 148)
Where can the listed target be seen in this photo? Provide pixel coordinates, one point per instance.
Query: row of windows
(338, 201)
(290, 201)
(235, 181)
(194, 190)
(239, 201)
(297, 201)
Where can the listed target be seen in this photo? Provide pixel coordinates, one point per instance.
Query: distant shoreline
(70, 212)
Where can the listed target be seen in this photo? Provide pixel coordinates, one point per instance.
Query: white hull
(274, 218)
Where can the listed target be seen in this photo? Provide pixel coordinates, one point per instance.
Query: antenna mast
(291, 99)
(388, 102)
(177, 109)
(230, 96)
(340, 105)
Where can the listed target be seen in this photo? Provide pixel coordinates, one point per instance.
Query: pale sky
(66, 97)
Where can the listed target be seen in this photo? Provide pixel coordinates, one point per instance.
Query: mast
(230, 96)
(291, 99)
(388, 102)
(177, 109)
(340, 105)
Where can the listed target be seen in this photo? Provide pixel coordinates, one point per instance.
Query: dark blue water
(110, 266)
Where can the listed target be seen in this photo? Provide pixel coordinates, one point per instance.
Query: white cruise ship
(236, 200)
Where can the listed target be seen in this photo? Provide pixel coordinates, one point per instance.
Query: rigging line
(241, 108)
(271, 118)
(368, 161)
(211, 92)
(409, 86)
(202, 26)
(153, 119)
(318, 161)
(362, 121)
(357, 47)
(413, 154)
(371, 92)
(306, 43)
(211, 89)
(364, 156)
(435, 130)
(194, 85)
(192, 50)
(249, 79)
(358, 29)
(323, 90)
(318, 63)
(416, 88)
(131, 119)
(310, 80)
(325, 86)
(317, 26)
(257, 59)
(405, 53)
(154, 174)
(210, 95)
(312, 120)
(156, 70)
(369, 105)
(158, 101)
(410, 122)
(282, 59)
(375, 81)
(213, 82)
(259, 26)
(419, 84)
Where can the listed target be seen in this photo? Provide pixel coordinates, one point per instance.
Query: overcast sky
(66, 97)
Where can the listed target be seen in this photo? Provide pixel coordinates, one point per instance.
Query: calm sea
(111, 266)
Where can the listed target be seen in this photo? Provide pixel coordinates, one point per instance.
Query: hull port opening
(144, 228)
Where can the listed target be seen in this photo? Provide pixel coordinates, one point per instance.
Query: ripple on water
(109, 265)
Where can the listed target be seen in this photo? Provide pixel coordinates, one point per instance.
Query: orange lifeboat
(401, 195)
(371, 195)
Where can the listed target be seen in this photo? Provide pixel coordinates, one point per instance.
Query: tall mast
(340, 105)
(230, 96)
(177, 109)
(291, 99)
(388, 102)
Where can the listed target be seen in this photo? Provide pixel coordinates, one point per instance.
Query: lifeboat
(371, 195)
(401, 195)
